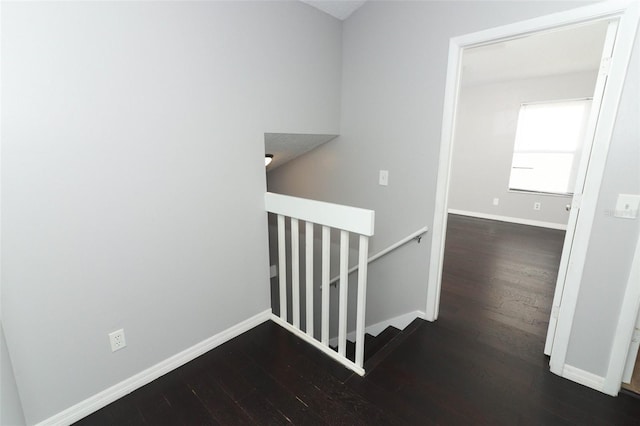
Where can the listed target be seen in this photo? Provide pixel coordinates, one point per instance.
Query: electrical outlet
(117, 340)
(496, 201)
(536, 206)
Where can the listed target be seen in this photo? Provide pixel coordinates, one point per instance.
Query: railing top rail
(352, 219)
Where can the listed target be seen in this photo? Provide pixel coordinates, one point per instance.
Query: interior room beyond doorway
(504, 246)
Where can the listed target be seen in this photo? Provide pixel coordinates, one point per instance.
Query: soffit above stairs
(340, 9)
(287, 146)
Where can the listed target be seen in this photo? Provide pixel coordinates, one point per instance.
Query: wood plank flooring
(498, 283)
(481, 363)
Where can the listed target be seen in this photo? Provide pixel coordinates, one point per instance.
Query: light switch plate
(627, 206)
(384, 177)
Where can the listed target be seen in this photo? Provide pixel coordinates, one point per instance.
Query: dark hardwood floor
(481, 363)
(498, 283)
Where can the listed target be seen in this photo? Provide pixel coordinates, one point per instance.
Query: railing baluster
(328, 216)
(362, 296)
(295, 272)
(282, 267)
(326, 263)
(344, 282)
(309, 277)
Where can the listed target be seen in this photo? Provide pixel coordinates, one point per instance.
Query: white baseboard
(401, 321)
(583, 377)
(542, 224)
(107, 396)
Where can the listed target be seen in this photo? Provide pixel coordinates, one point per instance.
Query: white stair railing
(347, 220)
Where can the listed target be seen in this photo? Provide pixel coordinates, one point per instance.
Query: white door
(580, 181)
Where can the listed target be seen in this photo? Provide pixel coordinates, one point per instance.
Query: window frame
(577, 153)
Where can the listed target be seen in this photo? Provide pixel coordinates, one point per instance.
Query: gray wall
(486, 123)
(613, 240)
(133, 176)
(10, 407)
(394, 69)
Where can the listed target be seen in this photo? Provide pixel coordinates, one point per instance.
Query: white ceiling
(559, 52)
(287, 146)
(340, 9)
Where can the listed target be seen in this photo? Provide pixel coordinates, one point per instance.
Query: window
(549, 140)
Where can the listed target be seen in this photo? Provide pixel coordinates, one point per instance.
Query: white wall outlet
(536, 206)
(627, 206)
(117, 340)
(496, 201)
(384, 177)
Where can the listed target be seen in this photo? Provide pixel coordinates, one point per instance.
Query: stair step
(369, 339)
(392, 344)
(372, 343)
(351, 350)
(380, 341)
(376, 348)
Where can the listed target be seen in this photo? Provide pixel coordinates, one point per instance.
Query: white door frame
(628, 13)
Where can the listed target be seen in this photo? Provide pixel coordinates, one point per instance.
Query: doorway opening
(513, 172)
(622, 25)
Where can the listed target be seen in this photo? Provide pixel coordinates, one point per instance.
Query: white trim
(510, 219)
(439, 227)
(318, 345)
(627, 322)
(582, 377)
(352, 219)
(627, 12)
(401, 322)
(117, 391)
(632, 355)
(361, 300)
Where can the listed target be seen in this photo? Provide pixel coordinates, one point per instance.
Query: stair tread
(389, 333)
(380, 341)
(373, 345)
(392, 344)
(369, 339)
